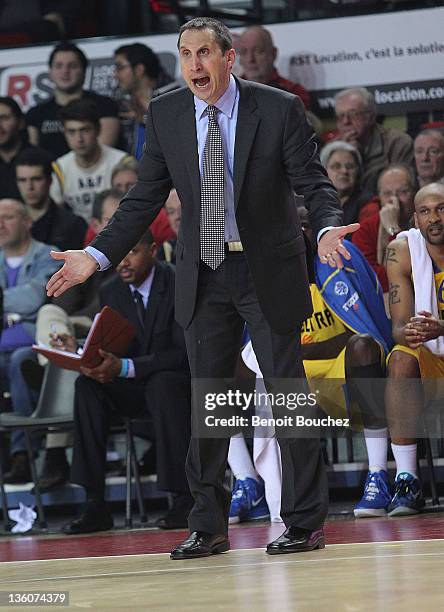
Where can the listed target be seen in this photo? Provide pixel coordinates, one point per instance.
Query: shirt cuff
(101, 258)
(321, 232)
(131, 369)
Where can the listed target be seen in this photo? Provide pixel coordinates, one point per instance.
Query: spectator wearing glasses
(396, 190)
(379, 146)
(344, 167)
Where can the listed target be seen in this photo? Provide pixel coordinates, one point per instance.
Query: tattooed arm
(401, 293)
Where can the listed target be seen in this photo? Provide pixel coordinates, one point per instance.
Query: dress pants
(226, 299)
(164, 398)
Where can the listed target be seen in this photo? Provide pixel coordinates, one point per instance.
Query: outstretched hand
(330, 247)
(78, 266)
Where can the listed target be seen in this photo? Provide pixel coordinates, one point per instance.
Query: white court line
(148, 554)
(242, 564)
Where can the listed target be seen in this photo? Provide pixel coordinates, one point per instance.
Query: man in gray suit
(234, 150)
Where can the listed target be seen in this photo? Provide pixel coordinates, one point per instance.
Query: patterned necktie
(212, 214)
(140, 307)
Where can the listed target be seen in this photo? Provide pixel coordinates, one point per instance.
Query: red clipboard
(110, 332)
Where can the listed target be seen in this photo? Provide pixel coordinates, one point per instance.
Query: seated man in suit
(153, 381)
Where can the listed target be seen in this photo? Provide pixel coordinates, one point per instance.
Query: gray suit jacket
(275, 152)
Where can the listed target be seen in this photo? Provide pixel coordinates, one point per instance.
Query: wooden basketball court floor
(372, 564)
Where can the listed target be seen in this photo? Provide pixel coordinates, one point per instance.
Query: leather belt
(234, 245)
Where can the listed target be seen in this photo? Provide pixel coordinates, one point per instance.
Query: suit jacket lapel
(154, 300)
(128, 307)
(247, 122)
(185, 135)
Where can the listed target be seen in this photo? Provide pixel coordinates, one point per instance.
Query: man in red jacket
(396, 190)
(257, 56)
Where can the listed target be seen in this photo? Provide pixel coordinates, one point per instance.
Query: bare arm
(401, 293)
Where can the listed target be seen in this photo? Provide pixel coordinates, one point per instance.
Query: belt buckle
(235, 245)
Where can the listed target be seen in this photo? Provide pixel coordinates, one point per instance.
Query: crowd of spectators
(63, 170)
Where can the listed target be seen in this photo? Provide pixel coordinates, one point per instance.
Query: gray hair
(408, 171)
(367, 97)
(340, 145)
(266, 34)
(431, 132)
(127, 163)
(22, 209)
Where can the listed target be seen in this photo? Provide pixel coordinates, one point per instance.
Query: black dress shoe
(147, 465)
(95, 517)
(177, 516)
(20, 471)
(201, 544)
(55, 471)
(295, 539)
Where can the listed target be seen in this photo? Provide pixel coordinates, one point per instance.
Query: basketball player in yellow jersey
(330, 350)
(334, 353)
(324, 339)
(411, 358)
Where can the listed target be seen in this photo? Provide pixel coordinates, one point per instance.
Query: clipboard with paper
(110, 332)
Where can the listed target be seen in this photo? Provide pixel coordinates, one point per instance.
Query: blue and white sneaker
(248, 501)
(376, 497)
(407, 498)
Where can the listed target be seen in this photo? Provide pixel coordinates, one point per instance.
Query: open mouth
(202, 82)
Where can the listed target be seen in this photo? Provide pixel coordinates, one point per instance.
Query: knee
(167, 380)
(49, 311)
(403, 365)
(83, 387)
(362, 349)
(19, 356)
(168, 390)
(81, 383)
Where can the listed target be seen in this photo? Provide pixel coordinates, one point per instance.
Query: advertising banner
(399, 56)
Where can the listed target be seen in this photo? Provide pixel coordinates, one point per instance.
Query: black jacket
(275, 152)
(59, 226)
(160, 345)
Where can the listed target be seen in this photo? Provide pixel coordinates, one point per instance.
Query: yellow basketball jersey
(439, 284)
(323, 323)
